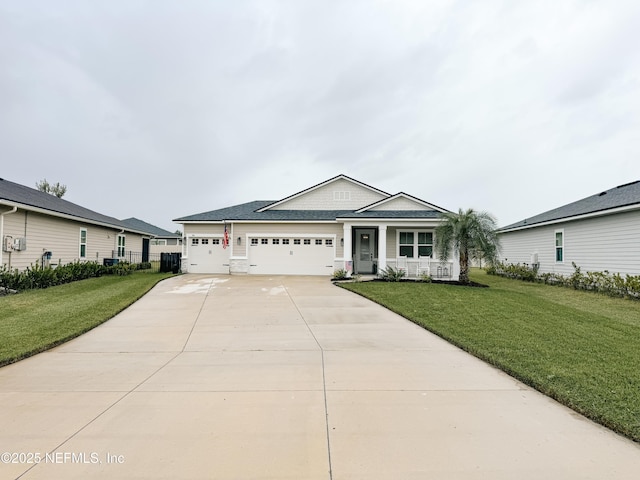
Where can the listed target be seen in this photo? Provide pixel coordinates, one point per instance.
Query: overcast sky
(160, 109)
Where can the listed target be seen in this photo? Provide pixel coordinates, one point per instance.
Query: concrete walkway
(283, 378)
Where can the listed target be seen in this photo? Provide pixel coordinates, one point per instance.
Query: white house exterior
(39, 228)
(597, 233)
(338, 224)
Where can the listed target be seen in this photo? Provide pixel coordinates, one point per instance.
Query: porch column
(382, 247)
(347, 253)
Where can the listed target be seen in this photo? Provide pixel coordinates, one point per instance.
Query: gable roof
(14, 194)
(260, 210)
(603, 203)
(327, 182)
(147, 227)
(402, 195)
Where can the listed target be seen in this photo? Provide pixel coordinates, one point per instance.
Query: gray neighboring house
(163, 241)
(340, 223)
(598, 233)
(40, 228)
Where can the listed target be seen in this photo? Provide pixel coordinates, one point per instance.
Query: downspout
(14, 210)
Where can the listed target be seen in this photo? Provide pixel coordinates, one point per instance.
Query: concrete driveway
(283, 378)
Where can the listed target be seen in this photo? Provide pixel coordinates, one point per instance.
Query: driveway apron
(257, 377)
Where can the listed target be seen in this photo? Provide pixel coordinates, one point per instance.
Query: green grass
(580, 348)
(36, 320)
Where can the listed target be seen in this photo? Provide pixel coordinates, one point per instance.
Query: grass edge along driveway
(36, 320)
(580, 348)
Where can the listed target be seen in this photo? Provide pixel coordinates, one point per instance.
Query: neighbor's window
(412, 243)
(83, 243)
(121, 245)
(559, 245)
(158, 241)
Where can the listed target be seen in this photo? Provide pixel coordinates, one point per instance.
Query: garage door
(291, 256)
(206, 255)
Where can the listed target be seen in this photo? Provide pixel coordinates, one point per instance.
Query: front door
(365, 249)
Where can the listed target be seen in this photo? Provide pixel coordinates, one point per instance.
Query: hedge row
(37, 276)
(612, 284)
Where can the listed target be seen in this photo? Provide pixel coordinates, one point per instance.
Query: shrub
(614, 285)
(391, 274)
(340, 274)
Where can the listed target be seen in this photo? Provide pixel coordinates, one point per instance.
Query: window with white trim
(83, 243)
(121, 245)
(414, 244)
(559, 246)
(158, 241)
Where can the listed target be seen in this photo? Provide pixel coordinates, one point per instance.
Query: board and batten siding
(322, 198)
(400, 204)
(609, 242)
(61, 237)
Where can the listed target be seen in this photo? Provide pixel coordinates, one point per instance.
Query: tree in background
(54, 189)
(472, 234)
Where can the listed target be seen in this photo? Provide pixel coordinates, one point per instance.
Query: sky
(162, 109)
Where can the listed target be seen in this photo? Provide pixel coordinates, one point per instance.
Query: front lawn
(36, 320)
(581, 348)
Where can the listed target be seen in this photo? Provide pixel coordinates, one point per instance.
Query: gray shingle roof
(16, 193)
(147, 227)
(620, 196)
(248, 211)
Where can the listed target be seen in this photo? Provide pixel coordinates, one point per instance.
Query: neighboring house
(40, 228)
(597, 233)
(338, 224)
(163, 241)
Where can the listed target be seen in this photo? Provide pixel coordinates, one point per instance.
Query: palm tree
(472, 234)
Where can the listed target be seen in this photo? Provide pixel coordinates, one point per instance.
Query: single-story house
(40, 228)
(597, 233)
(341, 223)
(163, 241)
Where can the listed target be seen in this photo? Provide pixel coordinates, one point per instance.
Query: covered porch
(371, 247)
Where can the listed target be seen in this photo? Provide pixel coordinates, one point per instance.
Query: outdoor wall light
(342, 242)
(239, 240)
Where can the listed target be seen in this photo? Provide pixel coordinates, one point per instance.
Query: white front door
(365, 249)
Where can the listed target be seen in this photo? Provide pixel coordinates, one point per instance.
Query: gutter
(2, 215)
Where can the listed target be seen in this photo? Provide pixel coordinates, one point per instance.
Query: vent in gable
(341, 196)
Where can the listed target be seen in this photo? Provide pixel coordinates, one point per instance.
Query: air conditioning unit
(7, 243)
(20, 244)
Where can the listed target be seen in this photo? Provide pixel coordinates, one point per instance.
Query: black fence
(148, 261)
